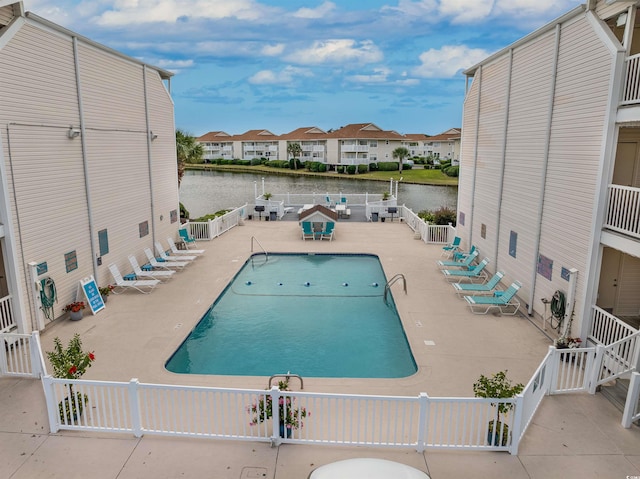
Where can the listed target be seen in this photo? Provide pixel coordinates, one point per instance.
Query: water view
(204, 192)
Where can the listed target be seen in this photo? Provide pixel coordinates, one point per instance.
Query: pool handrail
(287, 376)
(266, 255)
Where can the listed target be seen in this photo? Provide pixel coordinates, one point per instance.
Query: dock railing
(208, 230)
(435, 234)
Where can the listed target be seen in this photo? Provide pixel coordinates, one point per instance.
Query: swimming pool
(316, 315)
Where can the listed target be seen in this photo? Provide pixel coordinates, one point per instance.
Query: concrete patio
(571, 435)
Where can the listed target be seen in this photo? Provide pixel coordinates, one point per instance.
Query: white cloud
(319, 12)
(272, 50)
(127, 12)
(285, 76)
(338, 51)
(464, 11)
(379, 75)
(447, 61)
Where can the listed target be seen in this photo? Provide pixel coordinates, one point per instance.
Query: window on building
(70, 261)
(143, 228)
(103, 242)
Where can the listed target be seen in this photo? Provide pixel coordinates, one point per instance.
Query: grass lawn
(418, 176)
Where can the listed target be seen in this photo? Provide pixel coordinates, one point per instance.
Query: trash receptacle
(374, 217)
(273, 215)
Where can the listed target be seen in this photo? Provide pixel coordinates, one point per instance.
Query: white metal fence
(7, 321)
(215, 227)
(607, 329)
(632, 407)
(21, 355)
(623, 210)
(631, 91)
(437, 234)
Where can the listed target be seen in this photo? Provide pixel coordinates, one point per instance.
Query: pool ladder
(266, 256)
(390, 283)
(287, 376)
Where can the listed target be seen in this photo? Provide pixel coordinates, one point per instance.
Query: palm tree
(188, 150)
(400, 153)
(295, 150)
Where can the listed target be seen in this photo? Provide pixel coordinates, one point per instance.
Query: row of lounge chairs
(473, 284)
(159, 268)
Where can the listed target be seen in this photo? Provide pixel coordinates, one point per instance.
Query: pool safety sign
(92, 294)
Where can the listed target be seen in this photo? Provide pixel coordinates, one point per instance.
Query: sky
(282, 64)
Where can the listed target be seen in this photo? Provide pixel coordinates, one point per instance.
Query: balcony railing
(631, 91)
(354, 148)
(623, 210)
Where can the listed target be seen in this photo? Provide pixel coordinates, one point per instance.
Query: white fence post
(594, 374)
(630, 405)
(52, 407)
(555, 365)
(134, 405)
(37, 366)
(210, 233)
(516, 428)
(423, 400)
(275, 414)
(4, 367)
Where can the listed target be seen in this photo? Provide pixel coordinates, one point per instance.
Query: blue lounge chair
(307, 231)
(476, 274)
(501, 299)
(465, 263)
(475, 288)
(328, 232)
(461, 255)
(451, 247)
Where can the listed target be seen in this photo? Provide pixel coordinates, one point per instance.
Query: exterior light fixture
(73, 132)
(152, 136)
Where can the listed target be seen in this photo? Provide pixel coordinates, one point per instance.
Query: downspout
(146, 118)
(475, 156)
(504, 158)
(545, 166)
(85, 165)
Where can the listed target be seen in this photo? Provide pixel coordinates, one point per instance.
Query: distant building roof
(305, 133)
(365, 131)
(256, 135)
(214, 136)
(417, 136)
(451, 134)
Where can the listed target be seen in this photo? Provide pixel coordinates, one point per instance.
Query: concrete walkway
(571, 436)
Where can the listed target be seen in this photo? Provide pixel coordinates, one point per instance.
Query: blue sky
(283, 64)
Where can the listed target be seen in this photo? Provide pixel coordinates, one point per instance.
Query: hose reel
(558, 309)
(48, 296)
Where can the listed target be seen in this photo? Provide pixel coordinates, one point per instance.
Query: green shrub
(351, 169)
(322, 168)
(184, 213)
(452, 171)
(205, 218)
(340, 169)
(297, 165)
(313, 166)
(388, 166)
(363, 168)
(444, 216)
(427, 216)
(406, 166)
(278, 163)
(256, 161)
(373, 166)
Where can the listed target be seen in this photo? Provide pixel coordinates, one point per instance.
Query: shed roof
(319, 210)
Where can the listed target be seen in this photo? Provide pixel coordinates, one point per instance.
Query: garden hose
(48, 296)
(558, 305)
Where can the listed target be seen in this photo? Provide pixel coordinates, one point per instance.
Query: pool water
(316, 315)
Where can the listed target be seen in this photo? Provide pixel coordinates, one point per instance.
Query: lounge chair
(501, 299)
(476, 274)
(186, 237)
(465, 263)
(177, 252)
(307, 230)
(166, 265)
(140, 273)
(451, 247)
(475, 288)
(328, 232)
(143, 285)
(165, 257)
(461, 255)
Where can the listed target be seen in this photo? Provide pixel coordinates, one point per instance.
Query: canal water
(205, 192)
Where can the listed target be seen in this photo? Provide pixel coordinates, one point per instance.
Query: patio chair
(465, 263)
(327, 200)
(176, 251)
(143, 285)
(475, 288)
(503, 300)
(461, 255)
(140, 273)
(165, 257)
(328, 232)
(476, 274)
(166, 265)
(186, 237)
(307, 231)
(451, 247)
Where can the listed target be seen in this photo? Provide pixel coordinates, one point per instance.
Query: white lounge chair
(140, 273)
(143, 285)
(165, 257)
(176, 251)
(167, 265)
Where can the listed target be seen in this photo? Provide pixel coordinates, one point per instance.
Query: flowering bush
(70, 362)
(74, 307)
(289, 415)
(106, 290)
(567, 342)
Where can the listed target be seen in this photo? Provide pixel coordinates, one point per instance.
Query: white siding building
(87, 163)
(550, 163)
